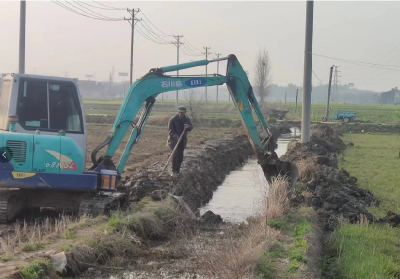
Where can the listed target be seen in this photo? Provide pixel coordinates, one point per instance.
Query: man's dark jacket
(175, 129)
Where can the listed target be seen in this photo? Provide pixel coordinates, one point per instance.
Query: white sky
(59, 41)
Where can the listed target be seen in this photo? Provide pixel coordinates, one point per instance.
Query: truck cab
(44, 105)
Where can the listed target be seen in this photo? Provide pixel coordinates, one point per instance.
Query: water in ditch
(238, 196)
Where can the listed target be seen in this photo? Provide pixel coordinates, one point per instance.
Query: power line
(191, 45)
(153, 34)
(111, 8)
(94, 13)
(156, 26)
(354, 61)
(317, 77)
(141, 32)
(190, 52)
(83, 14)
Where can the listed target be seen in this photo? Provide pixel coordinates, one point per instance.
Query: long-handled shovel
(173, 151)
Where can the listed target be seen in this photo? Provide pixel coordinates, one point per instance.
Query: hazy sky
(59, 41)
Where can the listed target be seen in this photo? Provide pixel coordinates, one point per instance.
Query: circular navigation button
(5, 155)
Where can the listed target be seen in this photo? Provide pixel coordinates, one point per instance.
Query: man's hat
(182, 109)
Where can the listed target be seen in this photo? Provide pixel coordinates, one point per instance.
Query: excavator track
(101, 203)
(11, 202)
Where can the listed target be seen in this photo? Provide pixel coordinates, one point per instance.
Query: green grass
(6, 258)
(286, 257)
(371, 251)
(367, 113)
(36, 269)
(367, 251)
(374, 160)
(31, 246)
(373, 113)
(299, 247)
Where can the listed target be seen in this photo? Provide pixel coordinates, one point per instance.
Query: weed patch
(36, 269)
(32, 246)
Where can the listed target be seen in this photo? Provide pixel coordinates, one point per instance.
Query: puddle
(237, 197)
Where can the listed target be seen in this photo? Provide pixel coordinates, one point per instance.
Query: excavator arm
(147, 88)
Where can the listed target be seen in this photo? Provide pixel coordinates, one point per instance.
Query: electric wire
(154, 35)
(354, 61)
(140, 31)
(316, 76)
(109, 9)
(83, 14)
(108, 6)
(95, 14)
(186, 40)
(155, 26)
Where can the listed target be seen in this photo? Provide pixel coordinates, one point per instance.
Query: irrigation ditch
(155, 237)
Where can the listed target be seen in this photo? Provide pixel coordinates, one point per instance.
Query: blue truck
(346, 116)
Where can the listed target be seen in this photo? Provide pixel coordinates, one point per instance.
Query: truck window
(48, 105)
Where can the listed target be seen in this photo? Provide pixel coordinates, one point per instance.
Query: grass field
(371, 113)
(371, 251)
(225, 109)
(375, 160)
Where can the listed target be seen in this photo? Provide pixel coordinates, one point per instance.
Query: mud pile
(321, 184)
(203, 169)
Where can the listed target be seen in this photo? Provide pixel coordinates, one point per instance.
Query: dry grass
(28, 237)
(276, 203)
(237, 256)
(306, 168)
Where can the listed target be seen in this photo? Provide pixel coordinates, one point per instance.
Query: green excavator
(43, 137)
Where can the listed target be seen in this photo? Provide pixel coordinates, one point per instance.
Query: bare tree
(262, 75)
(195, 98)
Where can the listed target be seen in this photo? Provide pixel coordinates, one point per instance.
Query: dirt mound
(321, 184)
(203, 169)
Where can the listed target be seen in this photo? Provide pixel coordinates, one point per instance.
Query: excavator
(43, 138)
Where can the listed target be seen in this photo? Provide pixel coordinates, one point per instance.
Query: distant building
(90, 88)
(391, 97)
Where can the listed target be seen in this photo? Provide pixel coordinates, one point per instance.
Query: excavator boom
(147, 88)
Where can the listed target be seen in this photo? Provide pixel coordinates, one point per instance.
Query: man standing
(176, 126)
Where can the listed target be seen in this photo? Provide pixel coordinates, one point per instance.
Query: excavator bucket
(272, 166)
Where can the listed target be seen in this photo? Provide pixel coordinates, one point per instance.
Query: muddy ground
(331, 191)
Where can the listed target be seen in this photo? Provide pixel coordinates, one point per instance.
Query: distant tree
(262, 75)
(194, 98)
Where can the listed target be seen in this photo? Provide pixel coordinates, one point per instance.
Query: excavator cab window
(50, 106)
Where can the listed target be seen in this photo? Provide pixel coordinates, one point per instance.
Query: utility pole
(297, 94)
(178, 45)
(206, 53)
(22, 23)
(285, 99)
(329, 94)
(132, 21)
(336, 84)
(306, 111)
(218, 55)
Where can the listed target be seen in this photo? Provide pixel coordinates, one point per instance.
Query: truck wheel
(346, 120)
(324, 119)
